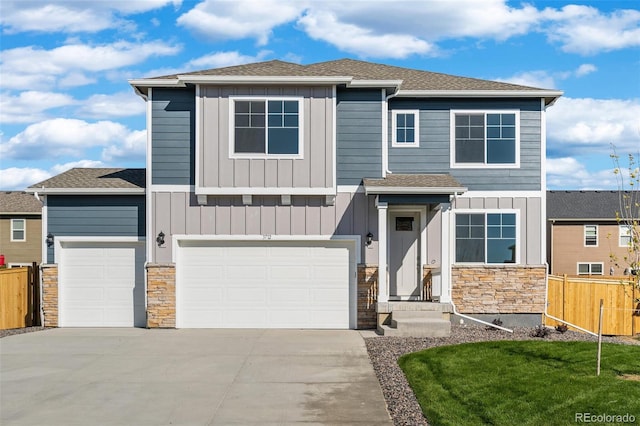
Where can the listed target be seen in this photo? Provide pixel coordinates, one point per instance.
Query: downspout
(385, 132)
(453, 305)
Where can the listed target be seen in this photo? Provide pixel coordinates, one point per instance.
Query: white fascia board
(553, 94)
(241, 79)
(88, 191)
(375, 83)
(407, 190)
(503, 194)
(97, 239)
(265, 191)
(20, 213)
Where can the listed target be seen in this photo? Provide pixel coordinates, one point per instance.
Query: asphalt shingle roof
(413, 79)
(91, 178)
(414, 181)
(19, 202)
(571, 205)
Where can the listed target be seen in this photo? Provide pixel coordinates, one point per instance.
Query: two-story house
(342, 194)
(584, 234)
(20, 229)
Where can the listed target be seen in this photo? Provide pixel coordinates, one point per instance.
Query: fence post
(600, 336)
(36, 294)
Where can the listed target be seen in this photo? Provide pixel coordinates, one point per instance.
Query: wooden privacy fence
(19, 297)
(577, 300)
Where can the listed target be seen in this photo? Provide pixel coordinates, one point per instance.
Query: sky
(65, 100)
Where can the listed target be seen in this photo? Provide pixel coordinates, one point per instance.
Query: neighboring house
(20, 228)
(584, 237)
(276, 192)
(94, 227)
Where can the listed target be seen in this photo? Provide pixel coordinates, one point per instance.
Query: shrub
(540, 331)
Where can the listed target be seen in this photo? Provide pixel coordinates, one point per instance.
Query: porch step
(417, 327)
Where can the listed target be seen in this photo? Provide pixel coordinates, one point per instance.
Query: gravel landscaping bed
(385, 351)
(14, 331)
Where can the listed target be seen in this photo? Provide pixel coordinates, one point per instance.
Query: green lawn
(523, 382)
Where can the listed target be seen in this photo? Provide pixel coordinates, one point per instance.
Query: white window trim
(584, 236)
(24, 230)
(485, 212)
(394, 118)
(622, 233)
(18, 265)
(590, 265)
(250, 155)
(452, 139)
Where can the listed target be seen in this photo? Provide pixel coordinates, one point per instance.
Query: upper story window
(406, 128)
(591, 235)
(486, 238)
(266, 127)
(625, 236)
(486, 139)
(18, 230)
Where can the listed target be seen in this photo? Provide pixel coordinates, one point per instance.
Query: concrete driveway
(188, 377)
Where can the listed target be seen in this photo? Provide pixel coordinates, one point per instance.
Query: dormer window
(266, 127)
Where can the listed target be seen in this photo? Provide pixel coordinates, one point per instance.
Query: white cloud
(362, 41)
(29, 106)
(570, 173)
(593, 124)
(213, 60)
(132, 147)
(61, 137)
(586, 31)
(220, 19)
(61, 168)
(585, 69)
(73, 16)
(545, 79)
(33, 67)
(16, 178)
(123, 104)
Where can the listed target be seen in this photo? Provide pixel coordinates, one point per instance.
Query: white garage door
(101, 284)
(256, 284)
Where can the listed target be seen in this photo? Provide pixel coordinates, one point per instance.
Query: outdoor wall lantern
(160, 239)
(49, 239)
(369, 239)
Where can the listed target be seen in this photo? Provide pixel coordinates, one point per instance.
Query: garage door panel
(101, 284)
(301, 284)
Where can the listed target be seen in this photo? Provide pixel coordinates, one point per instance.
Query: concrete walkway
(188, 377)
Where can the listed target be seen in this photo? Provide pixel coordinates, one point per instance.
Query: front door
(404, 255)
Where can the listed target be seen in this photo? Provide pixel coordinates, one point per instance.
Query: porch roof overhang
(414, 188)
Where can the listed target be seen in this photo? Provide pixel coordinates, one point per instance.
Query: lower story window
(590, 268)
(486, 238)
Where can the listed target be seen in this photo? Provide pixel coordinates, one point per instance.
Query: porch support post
(383, 291)
(445, 255)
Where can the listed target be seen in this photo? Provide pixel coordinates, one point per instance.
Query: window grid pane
(405, 128)
(266, 127)
(485, 138)
(590, 235)
(17, 229)
(489, 238)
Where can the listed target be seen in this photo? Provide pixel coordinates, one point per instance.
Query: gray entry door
(404, 255)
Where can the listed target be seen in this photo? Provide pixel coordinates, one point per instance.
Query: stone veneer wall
(161, 295)
(50, 294)
(507, 289)
(367, 296)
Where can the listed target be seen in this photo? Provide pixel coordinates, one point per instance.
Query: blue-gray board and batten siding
(173, 136)
(433, 154)
(96, 215)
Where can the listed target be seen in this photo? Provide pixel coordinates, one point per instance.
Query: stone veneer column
(367, 296)
(50, 294)
(161, 295)
(505, 289)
